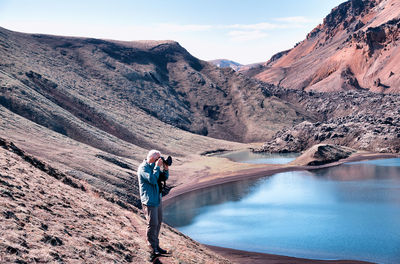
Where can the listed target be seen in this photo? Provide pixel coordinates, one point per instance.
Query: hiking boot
(162, 251)
(153, 256)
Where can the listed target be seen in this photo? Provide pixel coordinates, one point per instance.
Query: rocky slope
(356, 47)
(358, 119)
(47, 217)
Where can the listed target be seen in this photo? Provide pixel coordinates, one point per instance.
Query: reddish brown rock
(357, 43)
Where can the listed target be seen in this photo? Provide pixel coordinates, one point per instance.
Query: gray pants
(153, 220)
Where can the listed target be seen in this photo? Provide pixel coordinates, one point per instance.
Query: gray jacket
(148, 175)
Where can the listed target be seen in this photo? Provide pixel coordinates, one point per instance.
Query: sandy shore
(211, 171)
(245, 257)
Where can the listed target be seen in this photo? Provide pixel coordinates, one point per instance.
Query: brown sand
(213, 171)
(245, 257)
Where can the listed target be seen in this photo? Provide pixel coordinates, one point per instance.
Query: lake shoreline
(244, 257)
(194, 181)
(197, 182)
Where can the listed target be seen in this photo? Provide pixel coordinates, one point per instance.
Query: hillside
(106, 83)
(355, 48)
(93, 108)
(48, 217)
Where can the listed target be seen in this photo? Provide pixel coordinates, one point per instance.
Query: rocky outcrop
(322, 154)
(342, 16)
(360, 120)
(374, 39)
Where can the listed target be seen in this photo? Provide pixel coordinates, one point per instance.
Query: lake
(351, 211)
(246, 156)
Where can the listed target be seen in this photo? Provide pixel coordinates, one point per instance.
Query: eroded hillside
(116, 86)
(47, 217)
(355, 48)
(93, 108)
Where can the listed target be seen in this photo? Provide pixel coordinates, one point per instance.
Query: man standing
(148, 173)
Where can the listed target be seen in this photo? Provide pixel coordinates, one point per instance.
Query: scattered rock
(44, 227)
(9, 215)
(54, 241)
(322, 154)
(356, 119)
(12, 250)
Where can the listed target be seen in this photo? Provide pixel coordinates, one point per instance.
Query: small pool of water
(246, 156)
(350, 211)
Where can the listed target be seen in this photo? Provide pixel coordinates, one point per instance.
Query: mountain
(356, 47)
(83, 113)
(224, 63)
(83, 75)
(93, 108)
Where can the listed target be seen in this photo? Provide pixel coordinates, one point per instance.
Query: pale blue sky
(244, 31)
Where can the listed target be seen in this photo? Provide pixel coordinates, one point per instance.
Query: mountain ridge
(131, 69)
(355, 48)
(79, 103)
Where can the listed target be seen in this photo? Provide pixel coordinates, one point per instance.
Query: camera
(167, 161)
(162, 185)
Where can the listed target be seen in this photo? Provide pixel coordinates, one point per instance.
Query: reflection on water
(246, 156)
(350, 211)
(183, 211)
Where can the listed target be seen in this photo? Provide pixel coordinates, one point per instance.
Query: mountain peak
(356, 47)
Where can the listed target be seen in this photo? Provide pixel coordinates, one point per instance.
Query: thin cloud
(183, 28)
(249, 32)
(245, 35)
(257, 26)
(284, 23)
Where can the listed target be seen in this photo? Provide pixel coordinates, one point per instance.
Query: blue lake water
(350, 211)
(246, 156)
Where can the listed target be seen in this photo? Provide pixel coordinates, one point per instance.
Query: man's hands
(159, 162)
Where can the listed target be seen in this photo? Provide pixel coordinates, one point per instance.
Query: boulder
(322, 154)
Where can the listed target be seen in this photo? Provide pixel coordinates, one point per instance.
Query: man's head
(153, 156)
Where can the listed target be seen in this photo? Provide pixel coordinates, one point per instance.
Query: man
(148, 173)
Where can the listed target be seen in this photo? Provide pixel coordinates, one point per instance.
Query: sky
(245, 31)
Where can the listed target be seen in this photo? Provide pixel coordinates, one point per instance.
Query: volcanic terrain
(78, 115)
(355, 48)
